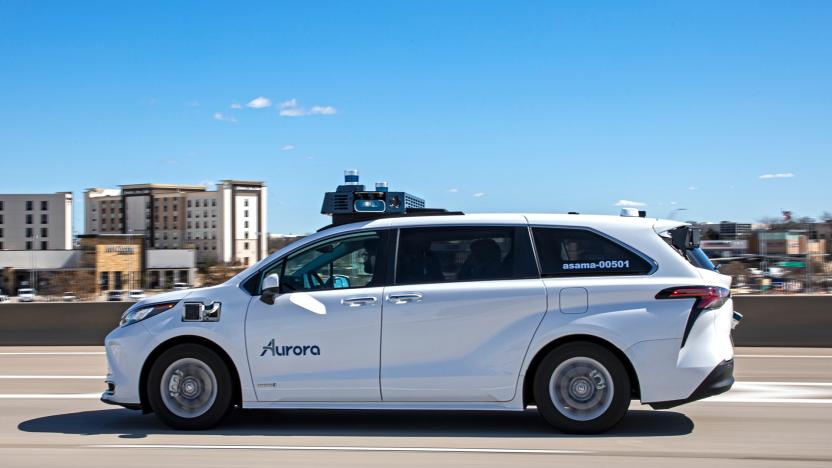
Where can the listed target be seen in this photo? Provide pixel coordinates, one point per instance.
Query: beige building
(41, 221)
(226, 225)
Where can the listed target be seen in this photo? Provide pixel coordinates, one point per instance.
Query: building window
(2, 205)
(1, 219)
(245, 234)
(1, 232)
(245, 245)
(1, 245)
(44, 205)
(44, 232)
(28, 219)
(43, 245)
(29, 204)
(44, 218)
(28, 232)
(213, 203)
(245, 224)
(196, 203)
(245, 202)
(28, 245)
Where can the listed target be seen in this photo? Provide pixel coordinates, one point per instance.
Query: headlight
(138, 314)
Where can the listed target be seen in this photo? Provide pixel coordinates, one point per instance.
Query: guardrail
(770, 320)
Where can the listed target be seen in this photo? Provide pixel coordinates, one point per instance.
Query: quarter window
(449, 254)
(579, 252)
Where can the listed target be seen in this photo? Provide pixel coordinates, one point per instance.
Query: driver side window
(344, 262)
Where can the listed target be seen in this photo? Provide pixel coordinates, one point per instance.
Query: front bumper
(126, 348)
(718, 381)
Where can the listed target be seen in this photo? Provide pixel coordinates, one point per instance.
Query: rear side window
(471, 253)
(579, 252)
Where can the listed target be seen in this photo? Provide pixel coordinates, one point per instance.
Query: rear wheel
(582, 388)
(189, 387)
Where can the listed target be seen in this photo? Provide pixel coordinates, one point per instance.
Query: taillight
(706, 298)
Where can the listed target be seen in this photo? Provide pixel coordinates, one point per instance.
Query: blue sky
(478, 106)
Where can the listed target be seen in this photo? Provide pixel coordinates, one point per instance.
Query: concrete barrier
(794, 321)
(57, 323)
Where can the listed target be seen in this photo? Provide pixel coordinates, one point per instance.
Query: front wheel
(189, 387)
(582, 388)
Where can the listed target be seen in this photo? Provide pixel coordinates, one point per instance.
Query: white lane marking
(50, 353)
(348, 448)
(739, 399)
(65, 377)
(787, 384)
(792, 356)
(50, 396)
(777, 392)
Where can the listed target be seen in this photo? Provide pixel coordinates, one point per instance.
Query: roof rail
(347, 218)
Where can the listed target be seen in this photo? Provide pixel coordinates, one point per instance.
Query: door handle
(358, 301)
(404, 298)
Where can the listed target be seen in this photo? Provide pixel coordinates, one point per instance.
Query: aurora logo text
(290, 350)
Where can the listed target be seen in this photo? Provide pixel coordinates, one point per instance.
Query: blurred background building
(226, 225)
(41, 221)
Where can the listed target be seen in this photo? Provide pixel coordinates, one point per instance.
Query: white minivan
(576, 315)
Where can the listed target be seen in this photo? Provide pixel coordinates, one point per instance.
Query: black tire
(216, 411)
(621, 390)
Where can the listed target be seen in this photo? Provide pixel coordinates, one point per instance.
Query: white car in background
(3, 297)
(574, 314)
(26, 295)
(69, 296)
(135, 295)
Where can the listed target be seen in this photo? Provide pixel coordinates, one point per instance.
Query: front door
(461, 315)
(319, 341)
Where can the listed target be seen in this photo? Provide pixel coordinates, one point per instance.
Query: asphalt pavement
(779, 414)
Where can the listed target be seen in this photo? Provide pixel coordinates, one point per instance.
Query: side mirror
(270, 289)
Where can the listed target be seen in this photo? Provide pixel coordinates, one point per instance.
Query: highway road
(779, 414)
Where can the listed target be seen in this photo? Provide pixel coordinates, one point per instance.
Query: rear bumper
(718, 381)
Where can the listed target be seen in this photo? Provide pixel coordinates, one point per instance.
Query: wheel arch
(236, 398)
(528, 378)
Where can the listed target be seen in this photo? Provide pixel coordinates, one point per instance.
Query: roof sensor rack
(351, 203)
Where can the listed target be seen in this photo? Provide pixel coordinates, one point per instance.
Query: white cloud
(628, 203)
(692, 188)
(287, 147)
(224, 118)
(193, 103)
(259, 103)
(479, 194)
(235, 105)
(290, 104)
(453, 190)
(292, 112)
(322, 110)
(291, 108)
(779, 175)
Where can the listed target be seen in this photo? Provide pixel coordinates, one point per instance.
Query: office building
(226, 225)
(40, 221)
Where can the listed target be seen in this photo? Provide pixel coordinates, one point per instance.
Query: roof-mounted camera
(352, 202)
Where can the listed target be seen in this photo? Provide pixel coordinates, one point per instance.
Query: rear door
(459, 319)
